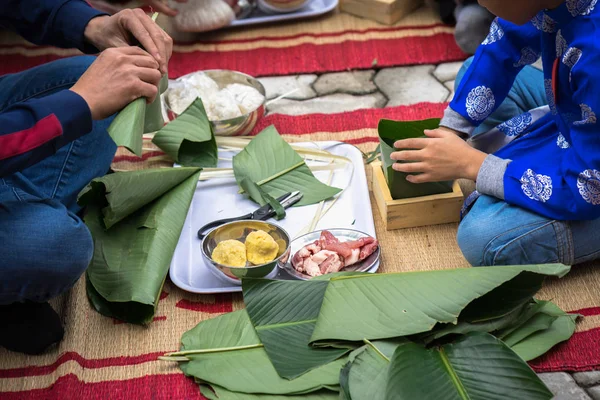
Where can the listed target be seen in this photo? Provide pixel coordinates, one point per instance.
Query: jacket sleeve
(53, 22)
(485, 85)
(33, 130)
(567, 186)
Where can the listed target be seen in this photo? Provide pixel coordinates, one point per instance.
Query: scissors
(263, 213)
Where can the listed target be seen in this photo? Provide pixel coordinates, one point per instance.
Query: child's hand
(440, 157)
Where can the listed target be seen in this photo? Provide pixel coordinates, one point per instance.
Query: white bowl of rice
(234, 101)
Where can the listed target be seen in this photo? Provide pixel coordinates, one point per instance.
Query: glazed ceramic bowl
(239, 126)
(239, 230)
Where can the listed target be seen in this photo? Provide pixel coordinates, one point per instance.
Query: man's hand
(440, 157)
(116, 78)
(128, 27)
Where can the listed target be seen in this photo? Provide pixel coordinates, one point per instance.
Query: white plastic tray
(219, 198)
(312, 9)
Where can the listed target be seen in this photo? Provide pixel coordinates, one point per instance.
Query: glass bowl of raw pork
(234, 102)
(330, 251)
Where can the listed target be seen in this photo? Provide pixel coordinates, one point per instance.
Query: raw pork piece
(327, 239)
(332, 264)
(304, 253)
(310, 267)
(368, 249)
(345, 249)
(328, 255)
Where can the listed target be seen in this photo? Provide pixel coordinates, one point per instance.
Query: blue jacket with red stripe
(35, 129)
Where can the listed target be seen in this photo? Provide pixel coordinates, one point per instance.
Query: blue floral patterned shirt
(546, 160)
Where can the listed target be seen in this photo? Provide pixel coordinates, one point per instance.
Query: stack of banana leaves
(136, 217)
(449, 334)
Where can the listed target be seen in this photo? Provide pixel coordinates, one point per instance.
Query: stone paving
(389, 87)
(353, 90)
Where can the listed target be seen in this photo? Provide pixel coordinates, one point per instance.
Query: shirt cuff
(71, 19)
(73, 113)
(490, 179)
(457, 122)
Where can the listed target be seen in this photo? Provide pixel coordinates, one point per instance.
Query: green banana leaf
(391, 131)
(476, 367)
(123, 193)
(533, 309)
(256, 192)
(153, 119)
(284, 314)
(539, 322)
(269, 339)
(372, 155)
(501, 326)
(534, 320)
(368, 372)
(345, 381)
(134, 238)
(272, 164)
(540, 341)
(381, 306)
(215, 392)
(504, 299)
(488, 326)
(189, 139)
(226, 352)
(136, 119)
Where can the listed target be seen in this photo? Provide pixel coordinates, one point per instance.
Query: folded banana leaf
(135, 219)
(542, 332)
(284, 314)
(189, 139)
(410, 303)
(136, 119)
(273, 165)
(518, 316)
(477, 366)
(391, 131)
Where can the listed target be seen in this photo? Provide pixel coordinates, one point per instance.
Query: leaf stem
(367, 341)
(176, 359)
(217, 350)
(277, 175)
(455, 379)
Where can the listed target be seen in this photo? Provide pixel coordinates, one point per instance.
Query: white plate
(312, 9)
(219, 198)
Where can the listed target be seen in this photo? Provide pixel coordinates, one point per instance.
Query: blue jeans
(497, 233)
(45, 246)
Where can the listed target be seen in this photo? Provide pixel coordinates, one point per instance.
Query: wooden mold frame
(418, 211)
